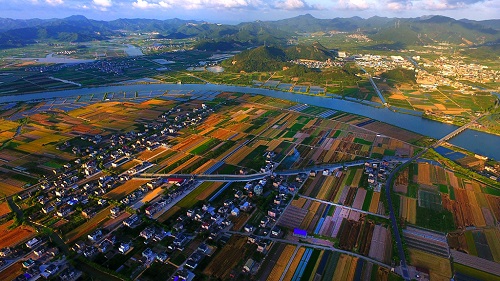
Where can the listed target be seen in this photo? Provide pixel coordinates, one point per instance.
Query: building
(300, 233)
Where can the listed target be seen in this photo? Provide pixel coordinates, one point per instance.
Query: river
(477, 142)
(133, 51)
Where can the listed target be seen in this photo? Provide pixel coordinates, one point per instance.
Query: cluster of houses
(40, 260)
(75, 187)
(377, 173)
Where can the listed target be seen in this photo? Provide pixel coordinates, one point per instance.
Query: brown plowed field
(12, 237)
(225, 261)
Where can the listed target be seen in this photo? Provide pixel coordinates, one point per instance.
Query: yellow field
(357, 178)
(440, 268)
(277, 271)
(272, 145)
(323, 192)
(209, 190)
(374, 202)
(239, 155)
(184, 165)
(299, 202)
(343, 264)
(408, 209)
(151, 195)
(295, 263)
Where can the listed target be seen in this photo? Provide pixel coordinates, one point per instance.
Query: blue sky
(234, 11)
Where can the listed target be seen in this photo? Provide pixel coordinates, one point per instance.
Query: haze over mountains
(406, 31)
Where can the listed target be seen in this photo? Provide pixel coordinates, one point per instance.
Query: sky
(235, 11)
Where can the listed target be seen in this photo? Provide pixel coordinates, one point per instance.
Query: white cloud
(399, 6)
(102, 3)
(291, 4)
(142, 4)
(354, 4)
(55, 2)
(199, 4)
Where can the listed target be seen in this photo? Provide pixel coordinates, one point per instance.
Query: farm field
(439, 268)
(4, 208)
(311, 264)
(88, 226)
(11, 272)
(125, 189)
(348, 226)
(7, 189)
(483, 243)
(12, 237)
(222, 264)
(279, 267)
(460, 201)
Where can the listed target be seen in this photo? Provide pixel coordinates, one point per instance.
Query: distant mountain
(386, 32)
(72, 29)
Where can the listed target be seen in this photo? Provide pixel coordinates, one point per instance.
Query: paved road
(374, 86)
(258, 176)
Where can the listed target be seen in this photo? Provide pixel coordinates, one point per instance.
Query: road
(375, 87)
(258, 176)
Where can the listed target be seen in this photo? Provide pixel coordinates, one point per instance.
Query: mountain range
(402, 31)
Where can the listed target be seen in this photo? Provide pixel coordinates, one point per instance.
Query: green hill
(259, 59)
(267, 58)
(316, 51)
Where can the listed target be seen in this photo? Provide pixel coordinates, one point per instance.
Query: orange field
(424, 174)
(4, 208)
(295, 263)
(124, 189)
(12, 237)
(278, 269)
(146, 155)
